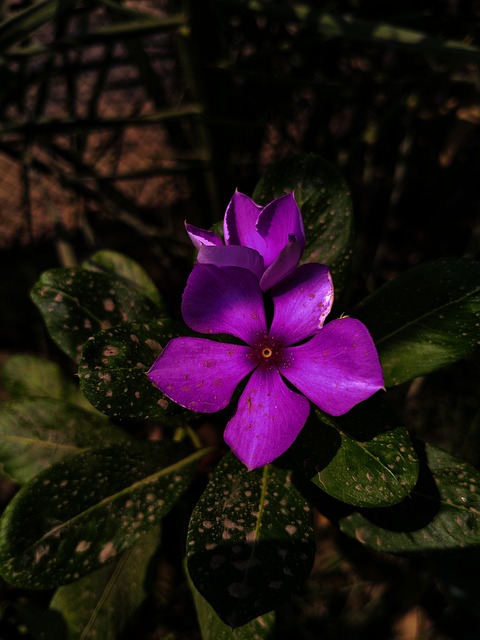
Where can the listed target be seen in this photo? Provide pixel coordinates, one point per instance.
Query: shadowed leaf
(123, 267)
(426, 318)
(37, 432)
(442, 512)
(250, 541)
(76, 303)
(364, 458)
(85, 510)
(103, 603)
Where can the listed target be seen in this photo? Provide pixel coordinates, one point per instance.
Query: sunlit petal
(224, 300)
(268, 418)
(302, 302)
(240, 223)
(337, 368)
(277, 221)
(200, 374)
(201, 237)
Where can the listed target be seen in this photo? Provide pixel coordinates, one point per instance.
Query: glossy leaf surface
(426, 318)
(113, 370)
(442, 512)
(76, 303)
(364, 458)
(250, 541)
(85, 510)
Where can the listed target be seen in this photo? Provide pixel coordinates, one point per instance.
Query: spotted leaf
(102, 604)
(113, 366)
(76, 303)
(107, 261)
(250, 541)
(213, 628)
(85, 510)
(442, 512)
(364, 458)
(324, 199)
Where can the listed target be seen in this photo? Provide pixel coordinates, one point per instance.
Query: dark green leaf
(76, 303)
(27, 375)
(113, 366)
(103, 603)
(130, 271)
(85, 510)
(37, 432)
(213, 628)
(364, 458)
(250, 541)
(442, 512)
(425, 319)
(324, 200)
(24, 24)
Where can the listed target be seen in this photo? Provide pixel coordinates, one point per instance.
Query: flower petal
(232, 256)
(227, 300)
(201, 237)
(200, 374)
(337, 368)
(240, 223)
(284, 263)
(302, 302)
(268, 418)
(277, 221)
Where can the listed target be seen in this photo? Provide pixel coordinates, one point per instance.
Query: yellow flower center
(267, 352)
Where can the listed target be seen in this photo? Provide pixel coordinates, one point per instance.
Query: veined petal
(200, 374)
(301, 303)
(337, 368)
(240, 223)
(284, 263)
(232, 256)
(224, 300)
(201, 237)
(277, 221)
(268, 418)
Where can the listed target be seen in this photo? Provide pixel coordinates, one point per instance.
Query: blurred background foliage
(119, 120)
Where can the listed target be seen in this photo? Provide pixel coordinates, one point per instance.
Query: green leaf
(442, 512)
(102, 604)
(364, 458)
(24, 24)
(37, 432)
(27, 375)
(213, 628)
(250, 541)
(76, 303)
(425, 319)
(324, 200)
(113, 366)
(131, 272)
(85, 510)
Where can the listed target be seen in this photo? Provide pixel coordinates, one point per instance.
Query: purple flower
(335, 366)
(266, 240)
